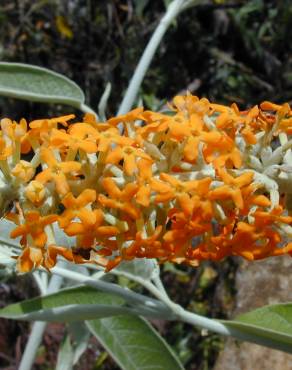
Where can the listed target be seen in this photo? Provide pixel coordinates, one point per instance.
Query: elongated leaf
(78, 303)
(269, 325)
(29, 82)
(74, 312)
(65, 355)
(134, 344)
(80, 335)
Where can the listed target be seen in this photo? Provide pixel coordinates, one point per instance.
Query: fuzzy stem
(173, 10)
(32, 345)
(202, 322)
(37, 331)
(128, 295)
(86, 109)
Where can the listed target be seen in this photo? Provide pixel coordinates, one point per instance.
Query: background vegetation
(228, 51)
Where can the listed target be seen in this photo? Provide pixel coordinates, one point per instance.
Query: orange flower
(128, 154)
(182, 191)
(43, 125)
(119, 199)
(17, 133)
(109, 137)
(266, 105)
(35, 192)
(89, 234)
(231, 188)
(231, 120)
(191, 104)
(52, 252)
(103, 134)
(34, 226)
(286, 125)
(190, 131)
(251, 125)
(275, 216)
(178, 240)
(5, 151)
(76, 207)
(23, 171)
(222, 152)
(250, 198)
(131, 116)
(202, 183)
(155, 123)
(32, 257)
(41, 128)
(75, 141)
(57, 171)
(144, 180)
(143, 247)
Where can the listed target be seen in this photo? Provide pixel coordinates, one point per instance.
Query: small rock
(258, 283)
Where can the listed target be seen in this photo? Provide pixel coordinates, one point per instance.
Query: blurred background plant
(224, 50)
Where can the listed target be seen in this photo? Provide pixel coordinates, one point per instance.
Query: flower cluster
(202, 181)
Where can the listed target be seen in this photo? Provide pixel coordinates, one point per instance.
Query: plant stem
(127, 294)
(139, 299)
(103, 102)
(165, 308)
(32, 345)
(40, 282)
(159, 285)
(212, 324)
(86, 109)
(173, 10)
(37, 331)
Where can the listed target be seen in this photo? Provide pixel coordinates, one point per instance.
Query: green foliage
(78, 303)
(65, 355)
(134, 344)
(270, 325)
(130, 339)
(33, 83)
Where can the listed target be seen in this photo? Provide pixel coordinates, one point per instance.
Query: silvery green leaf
(80, 337)
(5, 228)
(269, 326)
(6, 254)
(65, 355)
(33, 83)
(8, 246)
(72, 304)
(134, 344)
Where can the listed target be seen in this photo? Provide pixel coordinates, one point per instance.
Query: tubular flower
(119, 199)
(128, 154)
(231, 188)
(35, 192)
(88, 234)
(5, 151)
(75, 141)
(56, 171)
(202, 183)
(24, 171)
(34, 228)
(76, 207)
